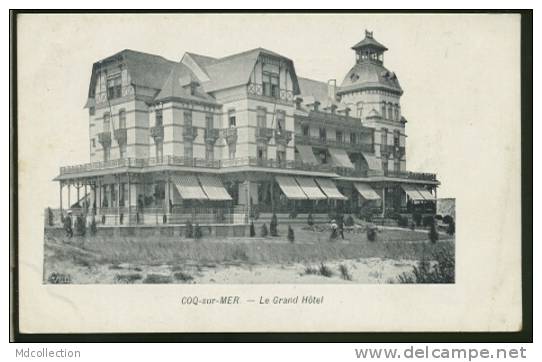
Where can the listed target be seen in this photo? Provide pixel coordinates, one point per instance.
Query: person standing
(341, 227)
(68, 225)
(333, 235)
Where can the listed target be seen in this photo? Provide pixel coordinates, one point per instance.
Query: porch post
(248, 209)
(383, 201)
(436, 200)
(118, 199)
(60, 187)
(129, 200)
(78, 187)
(272, 196)
(69, 198)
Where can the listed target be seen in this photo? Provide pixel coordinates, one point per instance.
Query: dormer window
(114, 87)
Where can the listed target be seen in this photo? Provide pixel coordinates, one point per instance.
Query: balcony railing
(238, 162)
(157, 132)
(283, 136)
(211, 135)
(317, 141)
(230, 134)
(190, 132)
(120, 135)
(264, 133)
(256, 89)
(104, 138)
(396, 151)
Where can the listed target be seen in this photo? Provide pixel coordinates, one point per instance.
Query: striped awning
(306, 154)
(213, 187)
(189, 188)
(425, 193)
(412, 192)
(372, 162)
(290, 188)
(366, 191)
(310, 188)
(340, 158)
(329, 188)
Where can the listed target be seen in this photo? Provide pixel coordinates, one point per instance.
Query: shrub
(371, 234)
(263, 231)
(428, 220)
(433, 234)
(349, 221)
(345, 274)
(50, 217)
(417, 217)
(310, 270)
(412, 225)
(291, 235)
(273, 226)
(182, 276)
(310, 220)
(93, 229)
(402, 221)
(447, 219)
(197, 232)
(443, 271)
(157, 279)
(189, 230)
(252, 230)
(325, 271)
(451, 228)
(127, 278)
(438, 217)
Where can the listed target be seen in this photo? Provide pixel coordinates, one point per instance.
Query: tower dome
(369, 71)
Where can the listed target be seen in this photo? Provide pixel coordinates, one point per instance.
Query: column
(129, 200)
(60, 187)
(69, 197)
(78, 197)
(383, 201)
(249, 206)
(118, 199)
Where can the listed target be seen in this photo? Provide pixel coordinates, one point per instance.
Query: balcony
(104, 138)
(190, 133)
(120, 135)
(318, 141)
(263, 133)
(396, 151)
(211, 135)
(283, 136)
(157, 132)
(256, 89)
(230, 134)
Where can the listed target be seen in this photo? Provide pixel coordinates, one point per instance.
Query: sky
(459, 73)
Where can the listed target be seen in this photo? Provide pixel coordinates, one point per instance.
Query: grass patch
(324, 271)
(345, 274)
(157, 279)
(184, 277)
(127, 278)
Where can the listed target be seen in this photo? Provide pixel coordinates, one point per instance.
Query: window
(122, 150)
(339, 136)
(384, 136)
(159, 120)
(397, 166)
(281, 156)
(261, 117)
(107, 154)
(122, 118)
(93, 141)
(396, 139)
(188, 150)
(323, 134)
(107, 122)
(396, 113)
(353, 139)
(383, 110)
(270, 85)
(359, 110)
(262, 152)
(159, 149)
(231, 118)
(114, 87)
(209, 123)
(209, 152)
(385, 165)
(280, 120)
(390, 112)
(187, 119)
(323, 156)
(305, 130)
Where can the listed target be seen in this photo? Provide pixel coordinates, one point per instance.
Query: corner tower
(373, 92)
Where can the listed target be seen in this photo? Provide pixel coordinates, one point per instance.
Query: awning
(330, 189)
(425, 193)
(372, 162)
(340, 158)
(366, 191)
(310, 188)
(290, 188)
(189, 188)
(306, 154)
(213, 187)
(412, 192)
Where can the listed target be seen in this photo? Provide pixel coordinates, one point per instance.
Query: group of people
(337, 228)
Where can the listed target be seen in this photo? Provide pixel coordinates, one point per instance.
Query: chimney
(332, 89)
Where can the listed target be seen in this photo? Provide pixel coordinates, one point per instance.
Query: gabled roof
(234, 70)
(146, 70)
(177, 86)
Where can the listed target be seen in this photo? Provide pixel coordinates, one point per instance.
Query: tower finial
(368, 34)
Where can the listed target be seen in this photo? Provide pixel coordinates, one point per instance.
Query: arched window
(107, 122)
(383, 110)
(359, 110)
(390, 112)
(122, 118)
